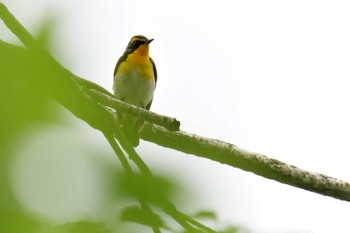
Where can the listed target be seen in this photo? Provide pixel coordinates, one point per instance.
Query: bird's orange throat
(140, 57)
(142, 51)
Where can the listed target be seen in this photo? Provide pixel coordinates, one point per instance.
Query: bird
(135, 79)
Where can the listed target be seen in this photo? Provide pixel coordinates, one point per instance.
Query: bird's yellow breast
(138, 63)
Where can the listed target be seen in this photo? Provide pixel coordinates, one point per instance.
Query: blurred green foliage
(143, 188)
(22, 106)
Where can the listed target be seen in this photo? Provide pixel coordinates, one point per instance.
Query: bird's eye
(135, 44)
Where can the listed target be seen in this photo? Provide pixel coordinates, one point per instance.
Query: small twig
(146, 207)
(185, 221)
(125, 144)
(118, 152)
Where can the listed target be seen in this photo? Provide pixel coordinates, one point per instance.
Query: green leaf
(142, 216)
(205, 214)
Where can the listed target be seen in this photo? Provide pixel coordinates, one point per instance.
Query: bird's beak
(149, 41)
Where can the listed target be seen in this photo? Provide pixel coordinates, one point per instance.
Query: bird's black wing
(154, 70)
(120, 60)
(155, 79)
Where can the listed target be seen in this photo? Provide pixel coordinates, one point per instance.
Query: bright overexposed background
(269, 76)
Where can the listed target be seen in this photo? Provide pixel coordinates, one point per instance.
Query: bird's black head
(136, 41)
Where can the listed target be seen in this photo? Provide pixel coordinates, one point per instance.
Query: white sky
(268, 76)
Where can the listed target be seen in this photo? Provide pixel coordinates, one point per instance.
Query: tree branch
(212, 149)
(258, 164)
(66, 88)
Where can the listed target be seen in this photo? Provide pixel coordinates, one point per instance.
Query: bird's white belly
(134, 89)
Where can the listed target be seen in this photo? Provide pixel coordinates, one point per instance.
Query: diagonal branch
(258, 164)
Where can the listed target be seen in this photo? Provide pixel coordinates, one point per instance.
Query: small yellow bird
(135, 78)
